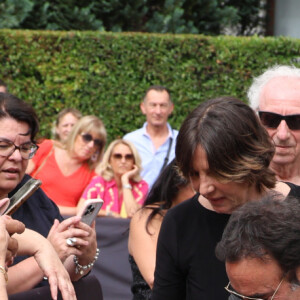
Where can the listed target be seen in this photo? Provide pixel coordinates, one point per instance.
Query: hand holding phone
(90, 210)
(22, 195)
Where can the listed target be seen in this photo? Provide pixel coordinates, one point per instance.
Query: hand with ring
(88, 252)
(71, 241)
(65, 235)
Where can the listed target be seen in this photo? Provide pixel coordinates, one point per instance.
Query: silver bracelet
(79, 268)
(127, 186)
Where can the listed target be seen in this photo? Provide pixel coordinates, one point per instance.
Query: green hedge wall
(106, 74)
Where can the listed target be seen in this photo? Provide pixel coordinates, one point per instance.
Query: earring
(94, 157)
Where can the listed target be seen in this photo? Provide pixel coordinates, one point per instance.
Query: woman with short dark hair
(226, 152)
(74, 242)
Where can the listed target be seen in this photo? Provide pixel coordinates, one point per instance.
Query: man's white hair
(260, 81)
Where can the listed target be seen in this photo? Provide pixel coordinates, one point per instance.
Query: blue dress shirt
(152, 159)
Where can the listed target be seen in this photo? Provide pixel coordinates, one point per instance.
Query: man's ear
(142, 106)
(171, 108)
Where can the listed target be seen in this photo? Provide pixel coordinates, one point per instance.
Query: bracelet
(79, 268)
(3, 271)
(127, 186)
(109, 213)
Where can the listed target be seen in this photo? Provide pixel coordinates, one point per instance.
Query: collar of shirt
(146, 133)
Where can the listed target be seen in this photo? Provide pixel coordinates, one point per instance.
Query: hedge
(106, 74)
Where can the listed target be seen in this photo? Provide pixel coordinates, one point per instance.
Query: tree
(13, 12)
(162, 16)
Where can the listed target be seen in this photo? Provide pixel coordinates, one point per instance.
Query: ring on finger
(71, 241)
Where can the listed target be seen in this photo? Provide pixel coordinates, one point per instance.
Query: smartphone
(22, 195)
(90, 210)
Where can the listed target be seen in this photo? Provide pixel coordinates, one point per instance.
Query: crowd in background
(178, 187)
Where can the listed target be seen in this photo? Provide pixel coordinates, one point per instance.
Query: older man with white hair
(275, 95)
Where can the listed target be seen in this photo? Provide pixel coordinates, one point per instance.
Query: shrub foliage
(106, 74)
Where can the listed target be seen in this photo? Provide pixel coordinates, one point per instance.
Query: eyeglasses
(272, 120)
(120, 156)
(241, 297)
(27, 150)
(87, 138)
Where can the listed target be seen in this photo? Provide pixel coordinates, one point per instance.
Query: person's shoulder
(140, 218)
(36, 203)
(184, 209)
(97, 179)
(175, 133)
(133, 134)
(46, 143)
(294, 190)
(140, 183)
(45, 146)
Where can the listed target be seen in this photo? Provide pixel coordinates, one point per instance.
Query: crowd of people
(213, 206)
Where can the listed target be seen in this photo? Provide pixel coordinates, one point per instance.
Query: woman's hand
(55, 271)
(128, 175)
(12, 227)
(32, 243)
(84, 247)
(88, 250)
(4, 238)
(131, 206)
(69, 228)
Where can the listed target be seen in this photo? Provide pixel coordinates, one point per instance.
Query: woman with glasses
(18, 128)
(225, 150)
(66, 170)
(119, 183)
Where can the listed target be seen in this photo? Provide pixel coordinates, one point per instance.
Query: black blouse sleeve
(169, 281)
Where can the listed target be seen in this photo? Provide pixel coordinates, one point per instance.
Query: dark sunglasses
(272, 120)
(120, 156)
(86, 137)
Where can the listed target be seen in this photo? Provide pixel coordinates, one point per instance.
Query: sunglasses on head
(86, 137)
(120, 156)
(272, 120)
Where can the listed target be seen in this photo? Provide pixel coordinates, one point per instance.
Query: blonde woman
(119, 182)
(66, 170)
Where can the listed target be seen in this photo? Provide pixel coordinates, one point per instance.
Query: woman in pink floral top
(119, 183)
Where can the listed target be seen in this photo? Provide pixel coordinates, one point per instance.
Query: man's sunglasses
(86, 137)
(272, 120)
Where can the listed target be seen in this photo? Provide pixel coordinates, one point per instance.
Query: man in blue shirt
(156, 140)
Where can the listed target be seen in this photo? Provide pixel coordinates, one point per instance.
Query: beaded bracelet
(3, 271)
(79, 268)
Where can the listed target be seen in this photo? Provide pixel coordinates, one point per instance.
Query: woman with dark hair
(223, 147)
(169, 189)
(74, 242)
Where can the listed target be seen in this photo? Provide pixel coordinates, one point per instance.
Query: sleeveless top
(139, 287)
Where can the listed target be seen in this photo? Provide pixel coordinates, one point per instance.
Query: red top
(63, 190)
